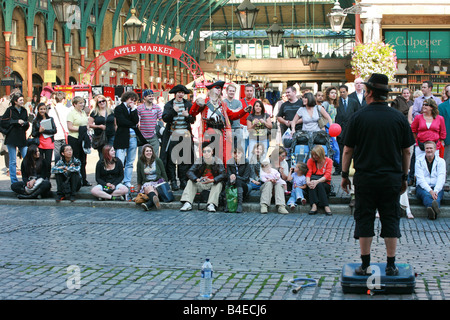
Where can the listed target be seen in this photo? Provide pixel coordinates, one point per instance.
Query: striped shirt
(148, 119)
(179, 122)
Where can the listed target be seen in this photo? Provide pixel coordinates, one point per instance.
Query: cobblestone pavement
(80, 253)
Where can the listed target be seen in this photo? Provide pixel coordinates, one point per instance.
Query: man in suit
(128, 136)
(347, 107)
(358, 94)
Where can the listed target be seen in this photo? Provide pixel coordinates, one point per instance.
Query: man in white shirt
(430, 178)
(59, 114)
(358, 94)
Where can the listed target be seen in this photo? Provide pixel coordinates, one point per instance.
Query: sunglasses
(207, 151)
(425, 104)
(102, 101)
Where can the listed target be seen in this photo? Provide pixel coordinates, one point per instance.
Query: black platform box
(378, 282)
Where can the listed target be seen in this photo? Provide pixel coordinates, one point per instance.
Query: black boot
(153, 201)
(32, 195)
(174, 186)
(240, 198)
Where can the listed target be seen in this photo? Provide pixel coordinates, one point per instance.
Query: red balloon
(335, 130)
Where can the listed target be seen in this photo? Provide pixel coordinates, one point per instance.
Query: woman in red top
(318, 179)
(428, 126)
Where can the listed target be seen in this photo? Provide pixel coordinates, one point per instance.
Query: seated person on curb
(109, 175)
(206, 175)
(318, 179)
(271, 179)
(297, 176)
(35, 177)
(257, 155)
(67, 174)
(238, 171)
(430, 178)
(150, 172)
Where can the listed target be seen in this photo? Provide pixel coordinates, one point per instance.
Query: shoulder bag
(322, 121)
(98, 141)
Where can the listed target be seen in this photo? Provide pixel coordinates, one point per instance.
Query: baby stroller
(302, 144)
(304, 141)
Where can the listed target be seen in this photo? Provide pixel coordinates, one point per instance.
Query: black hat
(219, 84)
(379, 82)
(178, 88)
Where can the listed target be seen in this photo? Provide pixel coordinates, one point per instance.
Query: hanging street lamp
(62, 9)
(292, 47)
(246, 13)
(133, 27)
(210, 53)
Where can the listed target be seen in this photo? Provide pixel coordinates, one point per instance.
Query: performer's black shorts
(387, 200)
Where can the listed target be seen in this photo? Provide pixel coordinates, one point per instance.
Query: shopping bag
(231, 195)
(165, 193)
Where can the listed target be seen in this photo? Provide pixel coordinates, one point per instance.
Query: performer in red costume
(215, 117)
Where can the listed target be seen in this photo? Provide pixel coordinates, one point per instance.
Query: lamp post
(246, 14)
(133, 27)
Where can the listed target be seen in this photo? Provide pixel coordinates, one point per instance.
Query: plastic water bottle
(206, 280)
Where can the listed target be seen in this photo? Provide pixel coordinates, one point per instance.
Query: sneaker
(144, 205)
(436, 209)
(391, 271)
(117, 198)
(264, 208)
(431, 213)
(292, 207)
(58, 199)
(360, 271)
(282, 210)
(303, 201)
(156, 202)
(186, 207)
(210, 207)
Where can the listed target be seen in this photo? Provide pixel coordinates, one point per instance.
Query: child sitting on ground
(297, 176)
(270, 174)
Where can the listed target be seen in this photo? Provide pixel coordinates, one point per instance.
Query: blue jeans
(251, 186)
(426, 198)
(296, 193)
(127, 156)
(12, 150)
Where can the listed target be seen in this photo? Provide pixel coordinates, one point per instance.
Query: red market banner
(141, 48)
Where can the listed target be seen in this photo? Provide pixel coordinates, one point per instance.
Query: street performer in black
(177, 147)
(378, 138)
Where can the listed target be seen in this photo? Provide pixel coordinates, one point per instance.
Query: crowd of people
(211, 143)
